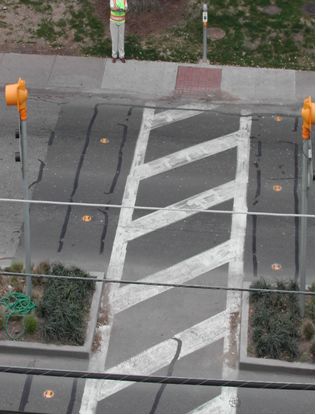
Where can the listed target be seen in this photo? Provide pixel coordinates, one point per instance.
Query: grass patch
(64, 306)
(277, 330)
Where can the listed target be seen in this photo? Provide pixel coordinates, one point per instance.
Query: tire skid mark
(77, 177)
(169, 373)
(40, 173)
(114, 182)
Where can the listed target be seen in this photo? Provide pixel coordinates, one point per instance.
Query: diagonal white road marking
(210, 330)
(182, 113)
(180, 273)
(160, 219)
(160, 355)
(187, 155)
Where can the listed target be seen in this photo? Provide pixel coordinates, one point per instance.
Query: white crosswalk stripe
(178, 274)
(160, 355)
(162, 218)
(224, 325)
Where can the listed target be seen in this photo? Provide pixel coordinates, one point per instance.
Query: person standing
(117, 28)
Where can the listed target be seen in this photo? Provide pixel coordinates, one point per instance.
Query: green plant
(275, 321)
(308, 330)
(310, 304)
(312, 349)
(30, 324)
(42, 268)
(46, 30)
(1, 321)
(64, 305)
(16, 266)
(17, 283)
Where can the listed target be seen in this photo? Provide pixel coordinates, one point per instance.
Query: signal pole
(205, 23)
(16, 94)
(308, 115)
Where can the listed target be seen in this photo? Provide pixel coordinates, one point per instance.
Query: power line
(156, 208)
(156, 284)
(168, 380)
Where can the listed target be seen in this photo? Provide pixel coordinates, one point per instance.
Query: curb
(255, 363)
(157, 79)
(9, 346)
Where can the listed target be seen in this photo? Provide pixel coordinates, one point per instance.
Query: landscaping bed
(61, 309)
(275, 328)
(256, 33)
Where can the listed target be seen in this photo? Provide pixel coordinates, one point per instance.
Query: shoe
(113, 60)
(123, 60)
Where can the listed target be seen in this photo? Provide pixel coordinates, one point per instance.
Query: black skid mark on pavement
(119, 161)
(105, 228)
(120, 155)
(254, 246)
(295, 125)
(51, 138)
(255, 218)
(170, 371)
(40, 173)
(77, 176)
(114, 182)
(26, 390)
(72, 397)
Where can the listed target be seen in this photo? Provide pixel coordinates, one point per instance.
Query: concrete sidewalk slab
(35, 69)
(304, 85)
(76, 72)
(152, 80)
(140, 77)
(266, 85)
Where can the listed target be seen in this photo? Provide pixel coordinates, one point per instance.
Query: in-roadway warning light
(16, 94)
(308, 115)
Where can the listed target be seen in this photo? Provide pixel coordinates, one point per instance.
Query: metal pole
(303, 224)
(27, 228)
(205, 20)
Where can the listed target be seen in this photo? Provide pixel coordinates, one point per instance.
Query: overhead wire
(155, 284)
(168, 380)
(156, 208)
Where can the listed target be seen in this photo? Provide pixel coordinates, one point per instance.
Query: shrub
(308, 330)
(30, 324)
(275, 321)
(64, 305)
(16, 266)
(310, 304)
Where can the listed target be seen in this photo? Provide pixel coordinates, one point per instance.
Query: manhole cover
(215, 33)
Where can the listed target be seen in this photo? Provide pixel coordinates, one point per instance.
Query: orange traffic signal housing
(16, 94)
(308, 115)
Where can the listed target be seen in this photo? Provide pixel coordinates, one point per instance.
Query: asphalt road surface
(195, 156)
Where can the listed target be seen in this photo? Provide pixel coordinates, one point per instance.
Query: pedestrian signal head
(16, 94)
(308, 115)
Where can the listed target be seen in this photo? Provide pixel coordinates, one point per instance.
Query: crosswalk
(223, 325)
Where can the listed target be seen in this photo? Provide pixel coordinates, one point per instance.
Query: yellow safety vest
(118, 16)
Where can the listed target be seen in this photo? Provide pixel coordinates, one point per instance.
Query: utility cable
(153, 208)
(155, 284)
(169, 380)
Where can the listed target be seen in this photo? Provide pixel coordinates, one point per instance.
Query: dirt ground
(18, 23)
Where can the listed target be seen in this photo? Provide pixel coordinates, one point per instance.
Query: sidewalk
(152, 80)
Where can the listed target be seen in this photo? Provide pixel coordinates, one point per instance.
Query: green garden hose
(15, 304)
